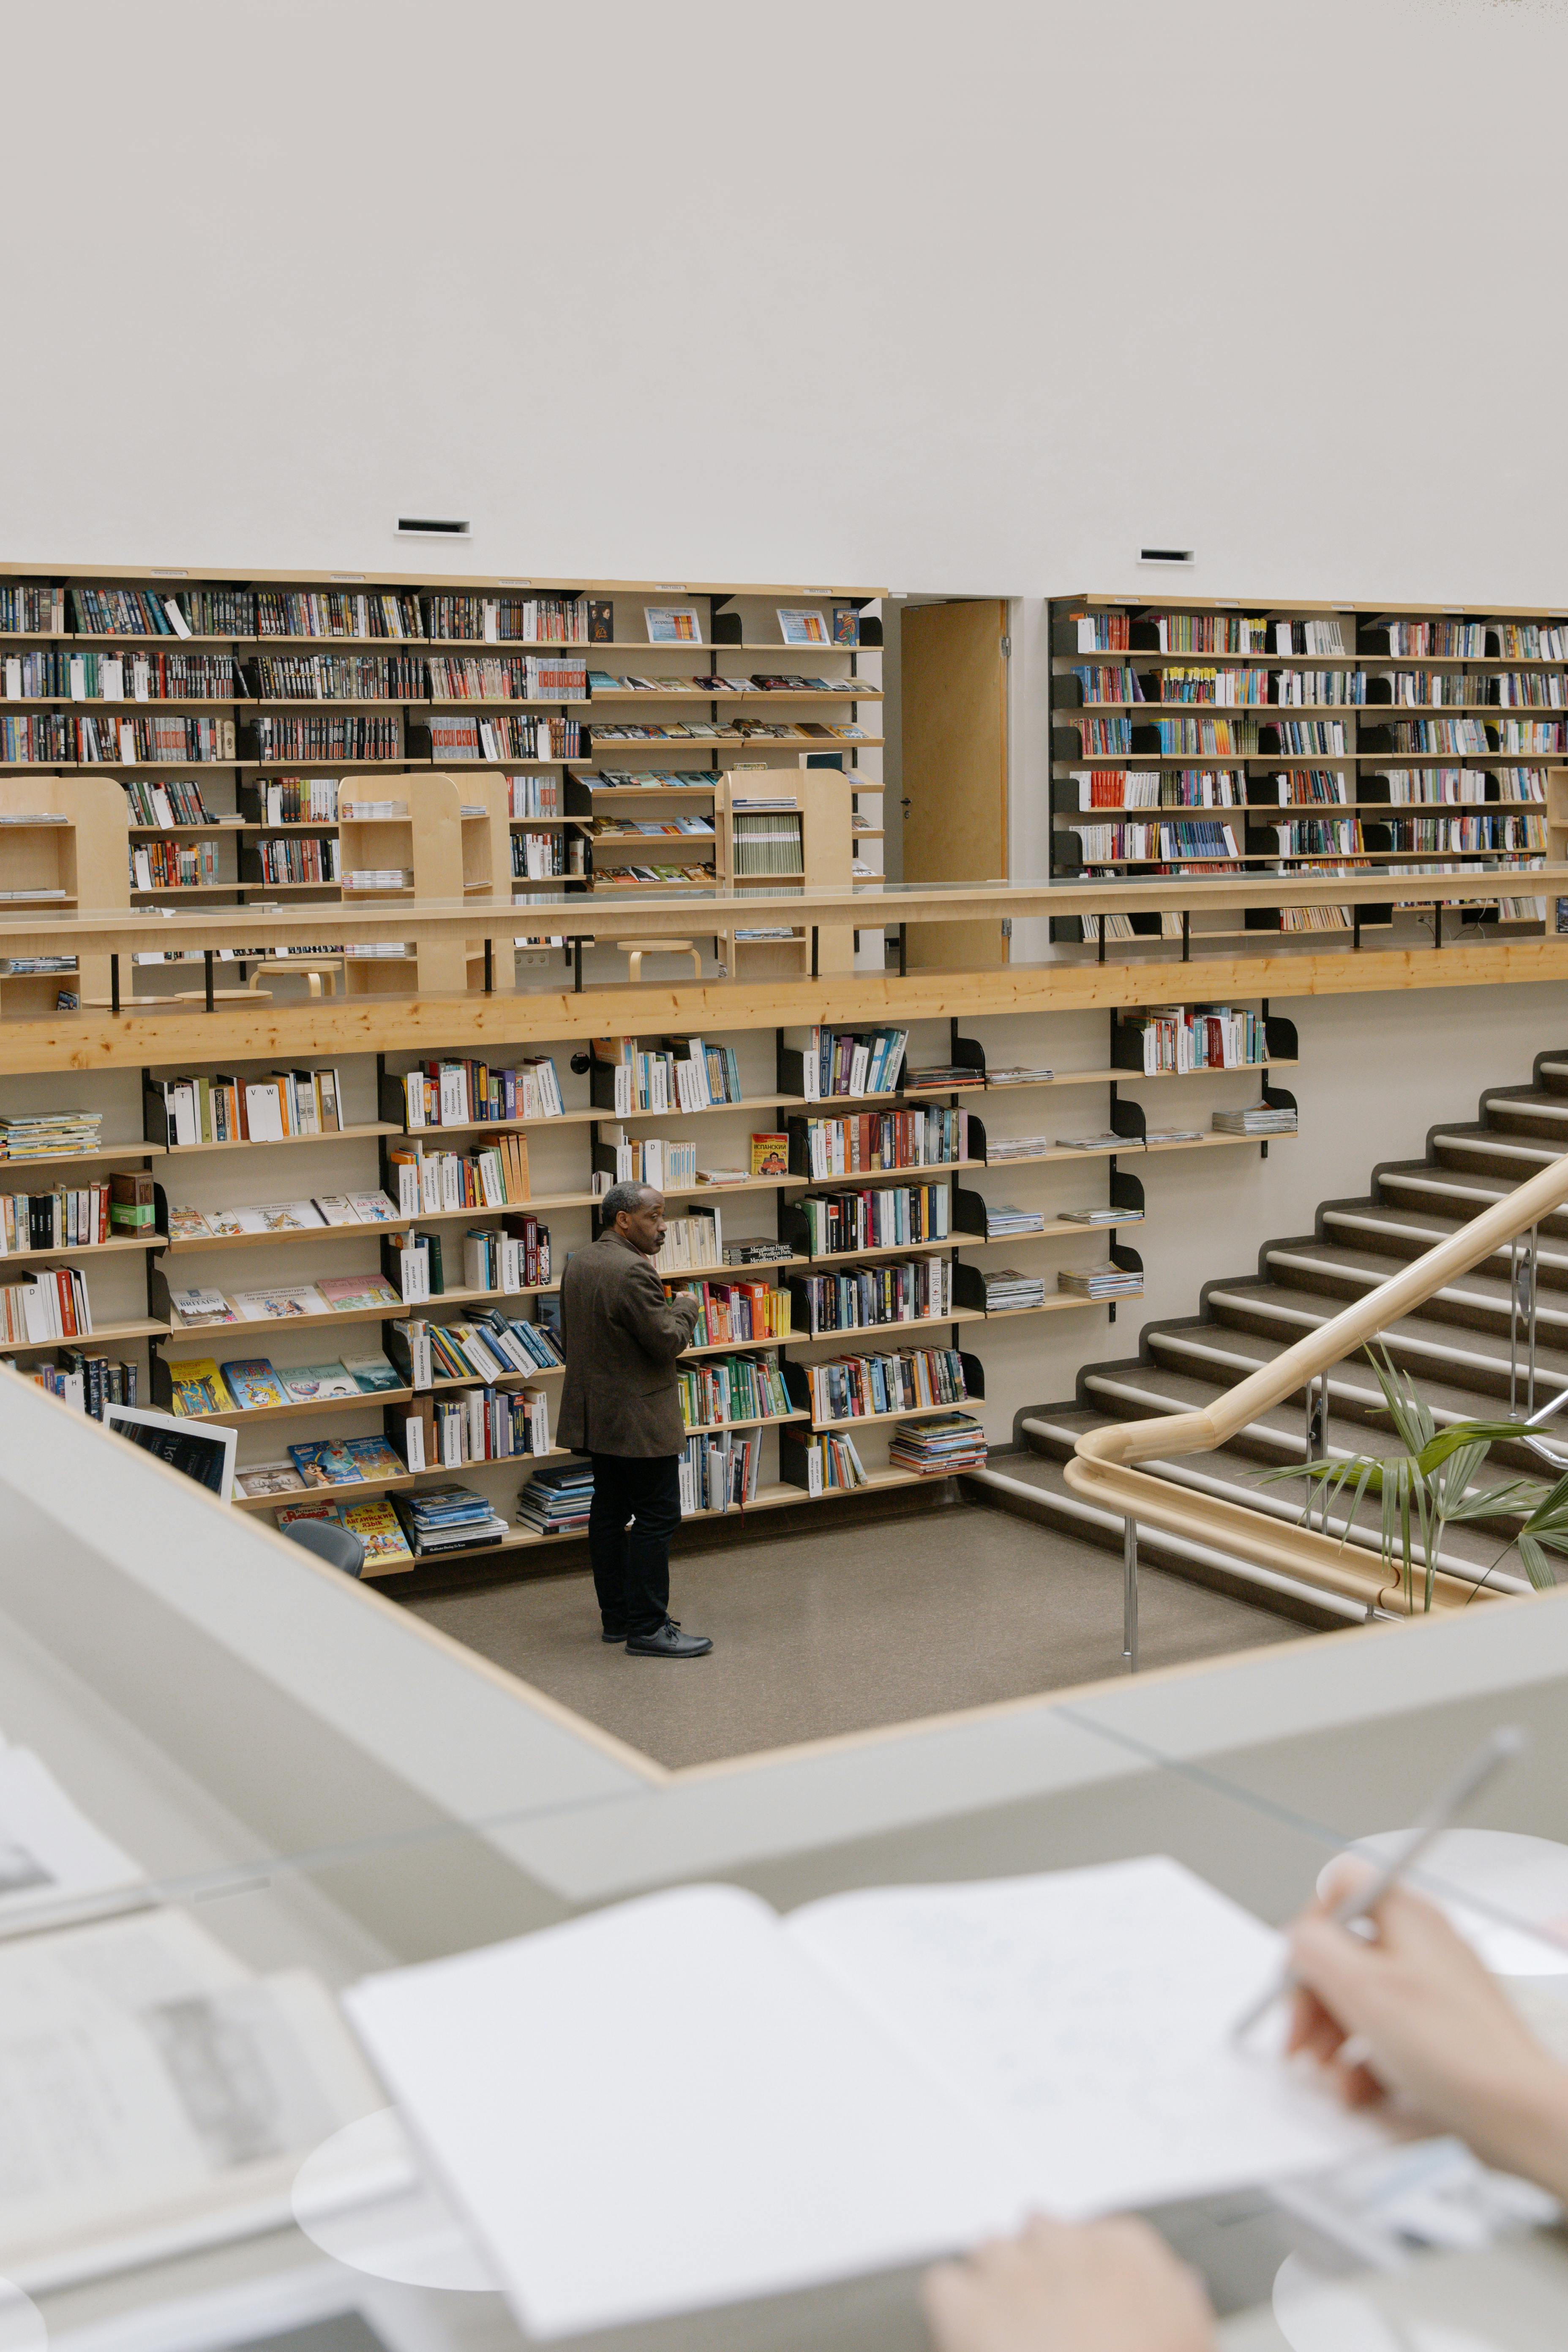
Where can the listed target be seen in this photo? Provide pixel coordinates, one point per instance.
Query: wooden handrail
(1102, 1466)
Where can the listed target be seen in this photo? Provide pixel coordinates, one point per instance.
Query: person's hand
(1430, 2023)
(1113, 2287)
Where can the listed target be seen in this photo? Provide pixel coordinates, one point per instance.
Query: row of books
(852, 1062)
(736, 1310)
(771, 844)
(330, 613)
(1436, 835)
(189, 1225)
(735, 730)
(938, 1448)
(1162, 788)
(298, 800)
(717, 683)
(526, 677)
(720, 1474)
(533, 795)
(832, 1464)
(909, 1290)
(522, 620)
(1418, 786)
(54, 737)
(483, 1424)
(854, 1388)
(697, 1077)
(341, 677)
(538, 857)
(172, 801)
(1105, 845)
(49, 1305)
(690, 876)
(733, 1388)
(215, 1107)
(652, 1160)
(1197, 1037)
(87, 1382)
(116, 1208)
(174, 866)
(471, 1093)
(32, 610)
(1113, 685)
(1477, 735)
(1111, 631)
(691, 1242)
(878, 1140)
(54, 673)
(202, 1305)
(301, 737)
(488, 1348)
(890, 1216)
(507, 735)
(493, 1177)
(654, 780)
(323, 1462)
(517, 1258)
(199, 1385)
(289, 858)
(1103, 738)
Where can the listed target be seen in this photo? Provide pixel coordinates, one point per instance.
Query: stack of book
(447, 1518)
(1014, 1147)
(1000, 1222)
(1257, 1118)
(49, 1134)
(943, 1078)
(1099, 1216)
(555, 1502)
(1105, 1140)
(1105, 1280)
(1008, 1290)
(1172, 1135)
(935, 1449)
(1017, 1076)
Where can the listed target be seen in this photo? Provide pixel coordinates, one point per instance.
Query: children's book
(379, 1529)
(280, 1306)
(343, 1291)
(279, 1217)
(344, 1461)
(188, 1225)
(337, 1209)
(253, 1383)
(268, 1479)
(373, 1208)
(308, 1383)
(194, 1307)
(197, 1387)
(224, 1224)
(372, 1373)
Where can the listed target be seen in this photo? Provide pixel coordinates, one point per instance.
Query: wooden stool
(635, 951)
(320, 981)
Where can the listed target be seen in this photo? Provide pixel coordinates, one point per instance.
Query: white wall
(969, 300)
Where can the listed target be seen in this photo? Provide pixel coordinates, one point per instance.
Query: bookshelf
(132, 1285)
(203, 695)
(1213, 737)
(774, 826)
(63, 842)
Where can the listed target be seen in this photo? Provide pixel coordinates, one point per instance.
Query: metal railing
(1103, 1465)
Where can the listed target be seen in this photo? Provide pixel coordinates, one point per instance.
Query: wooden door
(953, 692)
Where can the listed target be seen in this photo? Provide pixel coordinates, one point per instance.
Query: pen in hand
(1445, 1809)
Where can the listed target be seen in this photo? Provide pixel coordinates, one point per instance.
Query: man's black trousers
(631, 1562)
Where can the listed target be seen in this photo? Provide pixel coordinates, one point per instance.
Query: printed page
(146, 2077)
(49, 1848)
(1087, 2013)
(675, 2063)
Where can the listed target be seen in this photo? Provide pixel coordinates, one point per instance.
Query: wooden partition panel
(955, 766)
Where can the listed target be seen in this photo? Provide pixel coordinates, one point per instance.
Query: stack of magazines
(1104, 1142)
(942, 1078)
(1017, 1077)
(1000, 1222)
(49, 1134)
(1099, 1216)
(447, 1518)
(1007, 1291)
(935, 1449)
(1106, 1280)
(1257, 1118)
(555, 1502)
(1172, 1135)
(1014, 1147)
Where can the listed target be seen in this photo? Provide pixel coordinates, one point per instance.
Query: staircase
(1456, 1348)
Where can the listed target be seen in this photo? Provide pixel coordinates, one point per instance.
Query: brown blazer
(621, 1336)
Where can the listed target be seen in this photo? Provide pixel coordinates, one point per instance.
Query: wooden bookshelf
(63, 842)
(1382, 715)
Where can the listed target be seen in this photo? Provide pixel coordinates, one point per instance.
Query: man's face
(644, 1225)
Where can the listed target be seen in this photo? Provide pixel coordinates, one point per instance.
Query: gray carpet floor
(847, 1628)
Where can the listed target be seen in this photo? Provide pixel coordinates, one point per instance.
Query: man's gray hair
(621, 1199)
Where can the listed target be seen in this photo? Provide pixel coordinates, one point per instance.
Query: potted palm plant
(1430, 1486)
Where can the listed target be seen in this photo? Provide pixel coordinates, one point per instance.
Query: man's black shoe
(668, 1641)
(620, 1636)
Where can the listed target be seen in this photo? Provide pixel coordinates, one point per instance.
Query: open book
(685, 2100)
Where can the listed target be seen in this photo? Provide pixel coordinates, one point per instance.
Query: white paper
(673, 2062)
(1089, 2013)
(49, 1848)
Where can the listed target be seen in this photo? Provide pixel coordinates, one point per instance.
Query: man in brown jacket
(621, 1404)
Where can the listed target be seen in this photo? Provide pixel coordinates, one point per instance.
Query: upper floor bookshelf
(234, 707)
(1215, 737)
